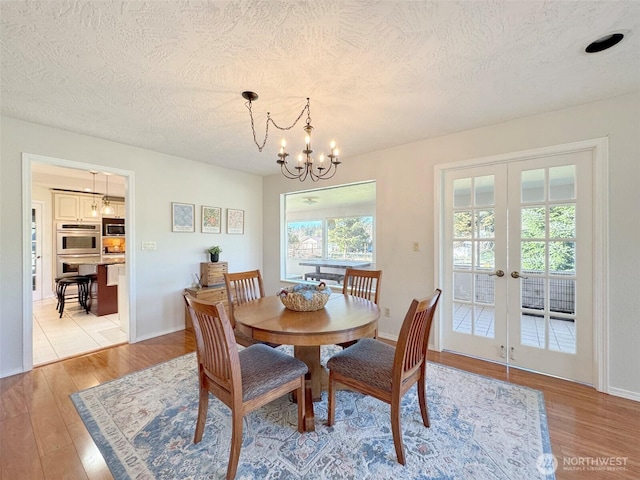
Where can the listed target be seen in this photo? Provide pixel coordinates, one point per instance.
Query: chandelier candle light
(305, 167)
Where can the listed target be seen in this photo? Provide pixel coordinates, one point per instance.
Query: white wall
(161, 275)
(404, 192)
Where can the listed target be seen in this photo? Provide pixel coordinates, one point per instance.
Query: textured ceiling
(167, 75)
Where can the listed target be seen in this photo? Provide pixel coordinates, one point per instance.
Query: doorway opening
(55, 184)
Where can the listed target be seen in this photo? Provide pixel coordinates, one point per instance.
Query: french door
(518, 263)
(36, 250)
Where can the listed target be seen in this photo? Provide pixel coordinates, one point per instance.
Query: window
(336, 223)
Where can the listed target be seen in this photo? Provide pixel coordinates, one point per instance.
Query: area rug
(481, 428)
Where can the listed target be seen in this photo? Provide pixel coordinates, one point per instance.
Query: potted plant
(214, 251)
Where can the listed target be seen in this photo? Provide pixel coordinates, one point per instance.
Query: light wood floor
(42, 435)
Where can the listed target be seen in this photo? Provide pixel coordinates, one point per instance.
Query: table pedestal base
(317, 379)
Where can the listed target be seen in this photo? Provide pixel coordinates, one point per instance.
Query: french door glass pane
(462, 224)
(562, 296)
(485, 223)
(533, 256)
(483, 321)
(562, 257)
(486, 256)
(462, 193)
(532, 330)
(533, 292)
(461, 317)
(562, 183)
(485, 289)
(533, 222)
(532, 186)
(462, 255)
(484, 191)
(462, 286)
(562, 221)
(564, 335)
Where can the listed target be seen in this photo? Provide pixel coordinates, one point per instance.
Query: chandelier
(306, 165)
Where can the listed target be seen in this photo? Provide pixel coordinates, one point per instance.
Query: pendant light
(94, 205)
(107, 209)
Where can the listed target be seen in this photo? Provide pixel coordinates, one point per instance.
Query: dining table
(343, 318)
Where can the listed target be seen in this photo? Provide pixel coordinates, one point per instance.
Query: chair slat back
(216, 346)
(243, 287)
(411, 349)
(362, 283)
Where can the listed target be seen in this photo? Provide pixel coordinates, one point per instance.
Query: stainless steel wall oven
(76, 243)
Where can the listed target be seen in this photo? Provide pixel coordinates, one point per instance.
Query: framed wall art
(211, 219)
(183, 217)
(235, 221)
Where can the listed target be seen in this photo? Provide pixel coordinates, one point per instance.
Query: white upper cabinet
(74, 207)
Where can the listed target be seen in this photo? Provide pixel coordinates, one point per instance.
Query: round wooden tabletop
(343, 318)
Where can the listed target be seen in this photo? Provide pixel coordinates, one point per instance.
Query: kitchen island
(103, 294)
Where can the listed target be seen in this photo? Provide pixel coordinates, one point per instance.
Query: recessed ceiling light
(603, 43)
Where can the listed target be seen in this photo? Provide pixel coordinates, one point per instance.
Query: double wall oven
(76, 243)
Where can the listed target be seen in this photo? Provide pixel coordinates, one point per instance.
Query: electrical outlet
(416, 246)
(387, 312)
(148, 245)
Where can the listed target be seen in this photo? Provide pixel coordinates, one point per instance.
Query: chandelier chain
(306, 108)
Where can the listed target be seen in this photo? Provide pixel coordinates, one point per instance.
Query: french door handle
(498, 273)
(516, 274)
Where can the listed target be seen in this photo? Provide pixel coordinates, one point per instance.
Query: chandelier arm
(288, 173)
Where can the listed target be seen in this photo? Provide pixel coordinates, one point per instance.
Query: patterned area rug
(481, 428)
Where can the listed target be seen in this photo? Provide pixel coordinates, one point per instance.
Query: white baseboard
(386, 336)
(629, 395)
(158, 334)
(10, 373)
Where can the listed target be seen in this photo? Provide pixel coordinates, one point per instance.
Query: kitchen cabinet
(118, 210)
(74, 207)
(103, 295)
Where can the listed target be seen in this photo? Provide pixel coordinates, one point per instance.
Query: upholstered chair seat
(264, 369)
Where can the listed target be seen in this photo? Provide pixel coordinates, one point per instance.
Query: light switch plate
(148, 245)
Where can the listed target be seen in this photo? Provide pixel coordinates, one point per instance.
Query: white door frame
(600, 283)
(27, 305)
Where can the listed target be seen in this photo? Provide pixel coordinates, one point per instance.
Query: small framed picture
(235, 221)
(183, 217)
(211, 219)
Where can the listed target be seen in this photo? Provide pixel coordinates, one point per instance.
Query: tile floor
(562, 333)
(75, 333)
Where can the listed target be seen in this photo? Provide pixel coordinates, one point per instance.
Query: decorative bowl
(305, 298)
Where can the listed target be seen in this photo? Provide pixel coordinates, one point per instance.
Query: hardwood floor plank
(12, 397)
(19, 455)
(62, 386)
(92, 460)
(48, 426)
(63, 464)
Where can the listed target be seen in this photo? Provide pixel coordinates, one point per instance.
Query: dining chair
(363, 284)
(243, 287)
(377, 369)
(243, 380)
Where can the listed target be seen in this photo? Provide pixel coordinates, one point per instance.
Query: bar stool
(82, 282)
